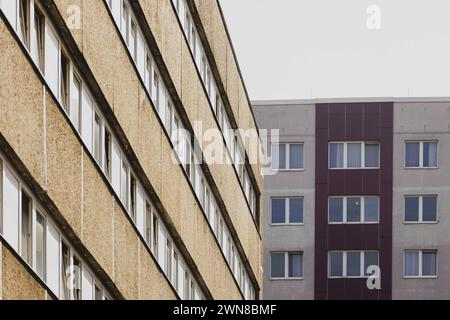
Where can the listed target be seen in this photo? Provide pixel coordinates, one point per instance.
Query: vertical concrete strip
(1, 271)
(113, 243)
(44, 105)
(82, 193)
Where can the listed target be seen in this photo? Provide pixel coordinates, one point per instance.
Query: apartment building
(104, 191)
(360, 188)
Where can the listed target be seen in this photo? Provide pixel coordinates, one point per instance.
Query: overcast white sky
(301, 49)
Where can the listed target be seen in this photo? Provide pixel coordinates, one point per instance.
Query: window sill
(352, 223)
(420, 222)
(287, 279)
(286, 224)
(287, 170)
(374, 168)
(420, 168)
(420, 277)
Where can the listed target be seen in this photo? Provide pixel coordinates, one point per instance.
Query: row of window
(34, 236)
(232, 140)
(148, 71)
(74, 96)
(354, 209)
(354, 155)
(353, 264)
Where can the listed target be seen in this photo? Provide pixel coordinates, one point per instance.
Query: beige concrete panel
(232, 85)
(63, 166)
(97, 216)
(152, 283)
(18, 283)
(21, 104)
(171, 42)
(100, 46)
(67, 8)
(126, 262)
(150, 137)
(126, 95)
(191, 86)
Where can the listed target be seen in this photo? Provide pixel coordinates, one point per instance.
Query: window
(351, 264)
(287, 156)
(421, 154)
(133, 187)
(98, 293)
(24, 19)
(186, 285)
(353, 209)
(155, 235)
(352, 155)
(25, 251)
(148, 73)
(286, 265)
(124, 184)
(64, 82)
(37, 39)
(175, 270)
(155, 88)
(287, 210)
(421, 208)
(65, 272)
(76, 269)
(40, 245)
(169, 260)
(98, 139)
(75, 103)
(107, 147)
(125, 15)
(148, 223)
(133, 40)
(420, 263)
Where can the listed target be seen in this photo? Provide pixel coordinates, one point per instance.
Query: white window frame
(362, 210)
(363, 155)
(420, 221)
(286, 211)
(344, 263)
(421, 143)
(286, 265)
(287, 156)
(420, 276)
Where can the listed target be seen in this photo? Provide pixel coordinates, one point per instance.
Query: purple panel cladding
(353, 122)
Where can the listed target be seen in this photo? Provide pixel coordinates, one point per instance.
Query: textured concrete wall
(73, 183)
(296, 124)
(18, 284)
(421, 121)
(131, 106)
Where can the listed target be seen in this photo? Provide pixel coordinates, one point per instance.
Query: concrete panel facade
(295, 124)
(421, 121)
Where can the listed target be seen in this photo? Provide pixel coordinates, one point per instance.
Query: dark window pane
(282, 156)
(354, 209)
(412, 154)
(429, 263)
(372, 152)
(429, 208)
(411, 263)
(353, 264)
(371, 209)
(278, 211)
(430, 154)
(277, 265)
(336, 155)
(335, 263)
(295, 265)
(335, 207)
(296, 156)
(354, 155)
(296, 210)
(370, 259)
(412, 209)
